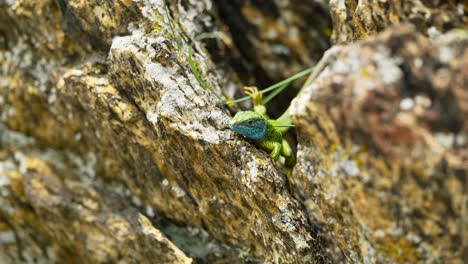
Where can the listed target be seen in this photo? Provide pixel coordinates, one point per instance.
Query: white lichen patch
(149, 211)
(195, 16)
(433, 33)
(152, 114)
(349, 168)
(343, 166)
(299, 241)
(150, 6)
(42, 71)
(11, 2)
(148, 228)
(461, 9)
(177, 94)
(179, 192)
(406, 104)
(418, 62)
(387, 69)
(331, 194)
(348, 64)
(10, 137)
(121, 43)
(9, 112)
(341, 66)
(7, 237)
(165, 182)
(306, 166)
(85, 168)
(447, 139)
(20, 158)
(78, 136)
(280, 49)
(206, 133)
(164, 76)
(368, 252)
(19, 56)
(413, 237)
(253, 173)
(339, 4)
(445, 54)
(220, 118)
(5, 166)
(284, 221)
(196, 242)
(136, 201)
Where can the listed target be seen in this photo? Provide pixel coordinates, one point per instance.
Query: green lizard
(266, 133)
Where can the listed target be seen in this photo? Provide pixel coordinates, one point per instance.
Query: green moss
(401, 251)
(260, 160)
(364, 73)
(156, 27)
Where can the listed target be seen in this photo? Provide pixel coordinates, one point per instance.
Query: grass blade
(280, 85)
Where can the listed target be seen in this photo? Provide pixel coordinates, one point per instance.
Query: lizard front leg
(270, 146)
(287, 152)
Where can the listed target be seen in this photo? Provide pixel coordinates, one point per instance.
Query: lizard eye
(250, 122)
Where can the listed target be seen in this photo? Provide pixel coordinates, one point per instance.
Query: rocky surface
(51, 213)
(382, 147)
(111, 149)
(354, 20)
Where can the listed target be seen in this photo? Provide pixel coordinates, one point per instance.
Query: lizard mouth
(236, 127)
(233, 127)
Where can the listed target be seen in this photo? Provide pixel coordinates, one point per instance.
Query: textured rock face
(111, 149)
(50, 215)
(135, 120)
(382, 147)
(354, 20)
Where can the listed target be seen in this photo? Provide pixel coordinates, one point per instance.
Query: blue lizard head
(249, 124)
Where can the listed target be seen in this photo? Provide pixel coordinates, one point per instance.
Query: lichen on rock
(371, 161)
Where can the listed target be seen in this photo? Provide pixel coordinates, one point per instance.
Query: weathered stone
(354, 20)
(52, 215)
(135, 120)
(370, 159)
(187, 123)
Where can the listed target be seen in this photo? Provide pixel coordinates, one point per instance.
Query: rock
(134, 120)
(369, 151)
(185, 122)
(354, 20)
(51, 216)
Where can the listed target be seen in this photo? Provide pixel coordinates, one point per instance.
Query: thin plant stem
(276, 85)
(193, 66)
(273, 94)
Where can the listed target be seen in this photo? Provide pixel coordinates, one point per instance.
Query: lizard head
(249, 124)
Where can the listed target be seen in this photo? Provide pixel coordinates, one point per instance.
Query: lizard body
(266, 133)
